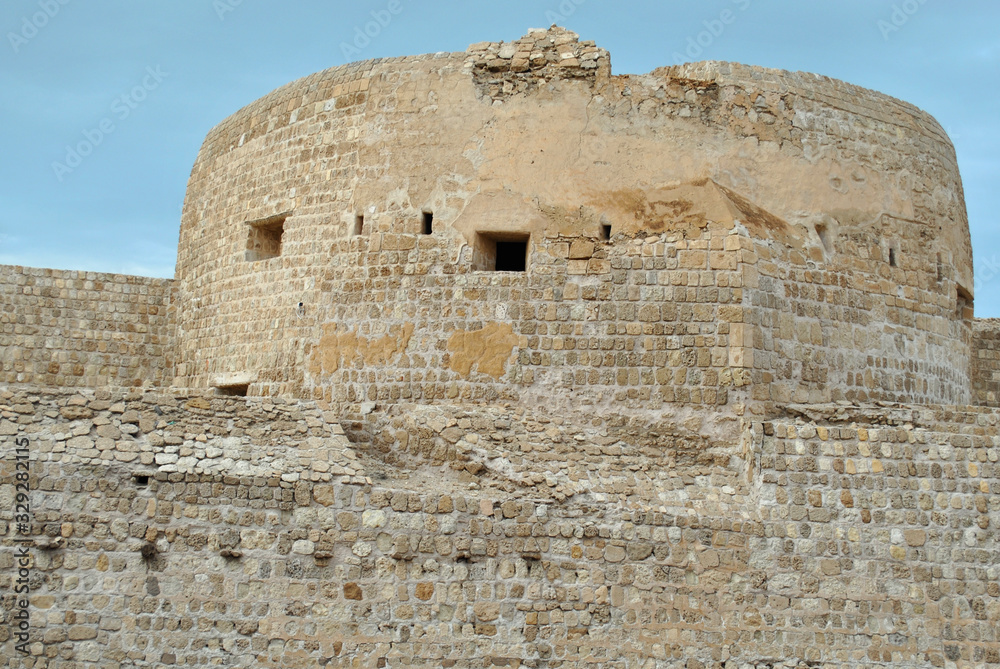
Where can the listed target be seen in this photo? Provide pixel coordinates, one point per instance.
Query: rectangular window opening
(892, 257)
(605, 232)
(140, 480)
(359, 224)
(940, 269)
(428, 223)
(501, 252)
(235, 390)
(265, 237)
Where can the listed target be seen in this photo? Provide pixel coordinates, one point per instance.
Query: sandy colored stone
(487, 611)
(337, 348)
(324, 494)
(424, 591)
(486, 349)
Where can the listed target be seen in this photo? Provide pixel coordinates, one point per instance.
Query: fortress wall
(881, 525)
(865, 306)
(861, 306)
(67, 328)
(986, 362)
(650, 459)
(862, 137)
(861, 542)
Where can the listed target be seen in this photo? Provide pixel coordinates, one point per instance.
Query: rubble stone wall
(861, 537)
(85, 329)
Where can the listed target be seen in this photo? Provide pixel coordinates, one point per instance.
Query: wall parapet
(85, 329)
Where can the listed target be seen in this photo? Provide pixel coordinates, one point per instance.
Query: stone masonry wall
(637, 322)
(859, 266)
(85, 329)
(864, 537)
(887, 525)
(986, 362)
(856, 328)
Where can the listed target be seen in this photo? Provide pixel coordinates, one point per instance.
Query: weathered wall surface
(986, 362)
(857, 329)
(859, 537)
(87, 329)
(811, 280)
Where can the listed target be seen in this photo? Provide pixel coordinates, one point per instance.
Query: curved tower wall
(775, 237)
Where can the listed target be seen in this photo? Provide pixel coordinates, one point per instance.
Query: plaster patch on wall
(487, 349)
(337, 348)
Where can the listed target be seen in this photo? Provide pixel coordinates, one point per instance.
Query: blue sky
(145, 81)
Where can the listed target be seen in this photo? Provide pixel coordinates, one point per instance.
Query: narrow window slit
(359, 224)
(606, 232)
(428, 223)
(824, 237)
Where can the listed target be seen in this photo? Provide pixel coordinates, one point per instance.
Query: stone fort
(499, 359)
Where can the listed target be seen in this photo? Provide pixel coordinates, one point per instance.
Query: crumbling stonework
(545, 367)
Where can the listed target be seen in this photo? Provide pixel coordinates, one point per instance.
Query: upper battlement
(503, 69)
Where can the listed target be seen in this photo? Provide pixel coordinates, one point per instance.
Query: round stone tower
(515, 223)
